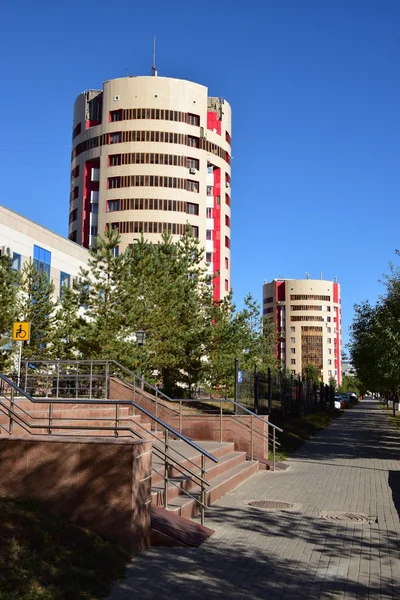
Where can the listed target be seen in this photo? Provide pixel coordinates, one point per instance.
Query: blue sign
(240, 376)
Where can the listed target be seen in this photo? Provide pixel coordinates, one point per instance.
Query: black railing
(282, 395)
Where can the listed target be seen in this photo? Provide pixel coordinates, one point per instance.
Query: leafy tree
(333, 383)
(238, 334)
(312, 374)
(8, 308)
(36, 305)
(351, 384)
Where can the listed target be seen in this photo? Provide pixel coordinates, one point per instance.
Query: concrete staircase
(232, 469)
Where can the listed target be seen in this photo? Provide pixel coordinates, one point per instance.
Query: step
(226, 462)
(170, 529)
(219, 486)
(192, 456)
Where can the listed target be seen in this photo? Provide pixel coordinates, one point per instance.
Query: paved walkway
(351, 466)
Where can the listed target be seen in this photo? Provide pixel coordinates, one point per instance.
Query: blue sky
(315, 93)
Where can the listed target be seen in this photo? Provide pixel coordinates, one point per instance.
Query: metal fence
(282, 395)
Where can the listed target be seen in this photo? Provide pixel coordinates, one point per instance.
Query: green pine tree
(8, 310)
(36, 305)
(104, 331)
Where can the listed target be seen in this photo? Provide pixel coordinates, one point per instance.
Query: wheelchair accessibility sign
(21, 331)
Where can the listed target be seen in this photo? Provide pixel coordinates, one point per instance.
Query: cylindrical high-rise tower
(152, 154)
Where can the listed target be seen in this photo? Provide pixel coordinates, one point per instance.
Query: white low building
(23, 239)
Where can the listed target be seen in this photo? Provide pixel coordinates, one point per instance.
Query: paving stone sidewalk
(353, 465)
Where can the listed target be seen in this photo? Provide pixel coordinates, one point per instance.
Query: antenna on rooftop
(153, 68)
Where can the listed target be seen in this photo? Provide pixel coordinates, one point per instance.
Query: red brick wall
(103, 485)
(236, 429)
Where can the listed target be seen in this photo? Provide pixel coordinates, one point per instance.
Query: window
(329, 350)
(309, 297)
(193, 142)
(329, 373)
(227, 221)
(195, 231)
(293, 329)
(209, 213)
(208, 257)
(329, 340)
(65, 281)
(292, 340)
(114, 160)
(329, 361)
(193, 163)
(227, 200)
(116, 251)
(94, 230)
(292, 361)
(192, 186)
(112, 205)
(293, 372)
(209, 190)
(16, 262)
(226, 285)
(192, 209)
(208, 234)
(193, 119)
(115, 115)
(115, 138)
(227, 242)
(226, 263)
(328, 319)
(329, 329)
(114, 182)
(292, 350)
(77, 130)
(42, 260)
(73, 215)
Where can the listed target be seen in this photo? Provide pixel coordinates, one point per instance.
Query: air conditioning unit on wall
(192, 171)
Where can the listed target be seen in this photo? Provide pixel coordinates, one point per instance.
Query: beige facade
(152, 154)
(308, 318)
(23, 239)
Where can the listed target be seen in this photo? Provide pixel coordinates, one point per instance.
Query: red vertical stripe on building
(213, 122)
(337, 356)
(217, 241)
(88, 187)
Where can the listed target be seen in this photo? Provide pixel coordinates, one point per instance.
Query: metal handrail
(253, 415)
(168, 459)
(112, 403)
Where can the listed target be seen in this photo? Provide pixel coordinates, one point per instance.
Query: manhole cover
(347, 517)
(271, 504)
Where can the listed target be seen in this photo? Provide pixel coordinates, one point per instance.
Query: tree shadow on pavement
(315, 559)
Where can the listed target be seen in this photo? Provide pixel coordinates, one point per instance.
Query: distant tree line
(160, 289)
(375, 340)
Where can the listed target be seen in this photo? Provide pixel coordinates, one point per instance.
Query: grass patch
(45, 557)
(389, 411)
(297, 431)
